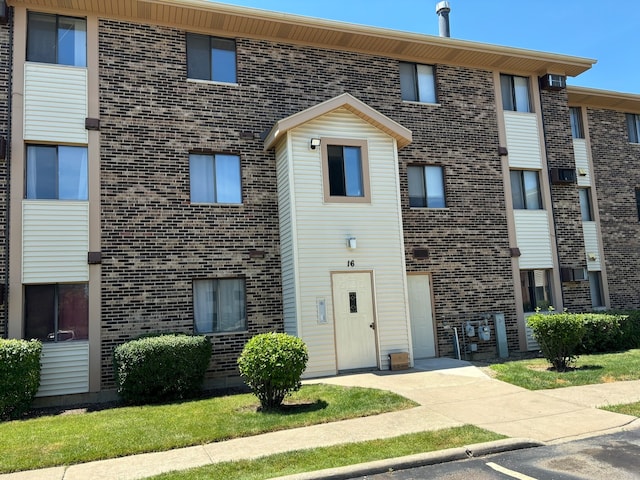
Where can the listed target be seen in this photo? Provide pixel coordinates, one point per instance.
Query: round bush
(161, 368)
(271, 365)
(19, 376)
(559, 336)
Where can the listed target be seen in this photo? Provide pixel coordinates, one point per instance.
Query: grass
(76, 438)
(329, 457)
(537, 374)
(628, 409)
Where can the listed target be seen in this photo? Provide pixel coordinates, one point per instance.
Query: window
(345, 170)
(211, 58)
(219, 306)
(536, 290)
(426, 186)
(638, 202)
(56, 172)
(633, 122)
(595, 287)
(58, 312)
(525, 190)
(56, 39)
(575, 116)
(417, 82)
(215, 178)
(515, 93)
(585, 204)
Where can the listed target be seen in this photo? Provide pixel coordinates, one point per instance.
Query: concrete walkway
(450, 393)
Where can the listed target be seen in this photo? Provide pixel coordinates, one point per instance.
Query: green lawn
(627, 409)
(537, 374)
(338, 456)
(68, 439)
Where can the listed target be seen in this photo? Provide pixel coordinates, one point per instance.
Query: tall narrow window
(638, 202)
(525, 190)
(56, 39)
(575, 115)
(536, 290)
(595, 287)
(56, 172)
(58, 312)
(417, 82)
(633, 123)
(215, 178)
(211, 58)
(426, 186)
(585, 204)
(345, 170)
(219, 305)
(515, 93)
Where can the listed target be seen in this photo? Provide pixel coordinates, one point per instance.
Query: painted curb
(417, 460)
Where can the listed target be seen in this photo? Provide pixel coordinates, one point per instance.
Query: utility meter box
(484, 332)
(399, 361)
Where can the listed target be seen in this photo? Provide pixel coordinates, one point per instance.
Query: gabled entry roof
(355, 106)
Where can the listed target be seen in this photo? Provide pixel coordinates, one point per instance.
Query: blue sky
(584, 28)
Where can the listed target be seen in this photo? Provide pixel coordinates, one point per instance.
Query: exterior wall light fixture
(352, 243)
(315, 142)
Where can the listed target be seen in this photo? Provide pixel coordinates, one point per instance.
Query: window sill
(220, 334)
(430, 209)
(212, 82)
(213, 204)
(416, 102)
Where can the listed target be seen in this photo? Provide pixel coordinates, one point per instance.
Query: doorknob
(372, 326)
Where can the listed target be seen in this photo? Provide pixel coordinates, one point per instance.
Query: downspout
(5, 300)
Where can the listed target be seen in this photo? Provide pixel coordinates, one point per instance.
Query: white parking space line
(510, 473)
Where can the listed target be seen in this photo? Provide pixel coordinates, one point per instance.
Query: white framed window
(211, 58)
(426, 186)
(219, 305)
(56, 172)
(56, 312)
(586, 209)
(515, 93)
(536, 290)
(345, 170)
(215, 178)
(417, 82)
(575, 116)
(633, 124)
(525, 190)
(56, 39)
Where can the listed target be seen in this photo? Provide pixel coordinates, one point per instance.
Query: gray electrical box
(501, 335)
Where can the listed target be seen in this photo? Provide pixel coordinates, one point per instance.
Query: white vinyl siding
(65, 369)
(287, 252)
(592, 245)
(534, 239)
(321, 232)
(55, 103)
(55, 241)
(523, 140)
(582, 162)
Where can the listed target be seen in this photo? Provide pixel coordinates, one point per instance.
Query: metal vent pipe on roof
(443, 9)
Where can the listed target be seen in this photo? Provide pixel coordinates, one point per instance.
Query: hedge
(161, 368)
(559, 336)
(19, 376)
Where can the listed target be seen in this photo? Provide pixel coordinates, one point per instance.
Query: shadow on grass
(297, 408)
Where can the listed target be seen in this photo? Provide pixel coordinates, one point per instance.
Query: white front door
(354, 320)
(421, 314)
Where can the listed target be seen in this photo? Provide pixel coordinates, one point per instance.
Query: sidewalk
(450, 393)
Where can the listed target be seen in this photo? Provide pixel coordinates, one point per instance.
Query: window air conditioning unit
(551, 81)
(568, 274)
(563, 176)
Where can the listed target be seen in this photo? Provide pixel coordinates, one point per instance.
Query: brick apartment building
(185, 166)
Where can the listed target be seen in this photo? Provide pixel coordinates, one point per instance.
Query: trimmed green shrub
(603, 333)
(161, 368)
(271, 365)
(629, 328)
(559, 336)
(19, 376)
